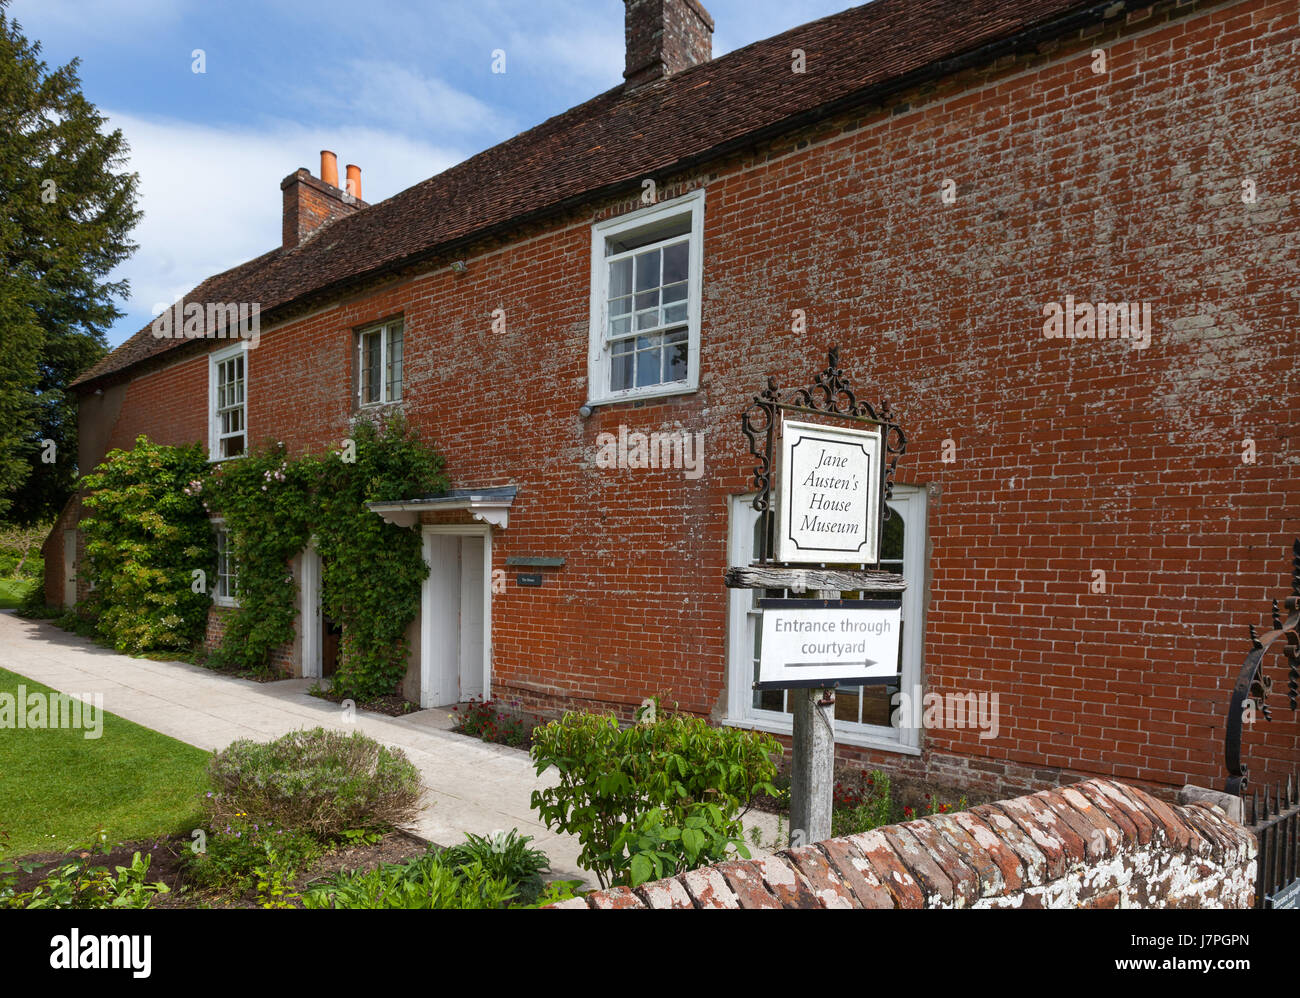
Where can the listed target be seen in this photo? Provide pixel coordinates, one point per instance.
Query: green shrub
(487, 721)
(247, 855)
(861, 809)
(654, 799)
(145, 537)
(33, 605)
(319, 781)
(80, 882)
(372, 570)
(424, 883)
(505, 855)
(266, 503)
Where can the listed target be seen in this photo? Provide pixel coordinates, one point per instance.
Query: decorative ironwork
(1254, 686)
(1275, 821)
(830, 394)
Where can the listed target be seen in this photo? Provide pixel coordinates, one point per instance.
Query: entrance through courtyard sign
(828, 642)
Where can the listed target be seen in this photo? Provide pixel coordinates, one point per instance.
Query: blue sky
(402, 89)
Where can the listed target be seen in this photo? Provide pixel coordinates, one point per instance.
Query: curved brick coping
(1096, 844)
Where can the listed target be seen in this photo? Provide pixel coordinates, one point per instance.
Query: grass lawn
(12, 592)
(57, 786)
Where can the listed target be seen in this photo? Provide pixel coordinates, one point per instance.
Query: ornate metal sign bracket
(1254, 686)
(830, 395)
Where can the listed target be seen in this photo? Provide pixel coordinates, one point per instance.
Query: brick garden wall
(1069, 456)
(1096, 844)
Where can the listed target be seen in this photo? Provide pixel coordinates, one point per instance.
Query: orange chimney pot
(354, 181)
(329, 168)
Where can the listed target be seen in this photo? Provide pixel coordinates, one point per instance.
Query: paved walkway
(471, 786)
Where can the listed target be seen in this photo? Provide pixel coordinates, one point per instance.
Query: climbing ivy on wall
(266, 502)
(152, 529)
(372, 569)
(146, 536)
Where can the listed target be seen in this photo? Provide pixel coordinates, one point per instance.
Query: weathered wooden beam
(809, 579)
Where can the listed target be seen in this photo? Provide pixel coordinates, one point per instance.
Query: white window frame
(229, 600)
(598, 358)
(386, 330)
(215, 359)
(910, 503)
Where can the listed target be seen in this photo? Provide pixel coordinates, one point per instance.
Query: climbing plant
(151, 539)
(372, 569)
(146, 537)
(266, 502)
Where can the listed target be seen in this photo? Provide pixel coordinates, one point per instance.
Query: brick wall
(1097, 844)
(1071, 456)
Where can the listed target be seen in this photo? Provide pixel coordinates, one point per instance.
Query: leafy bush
(79, 882)
(487, 721)
(372, 570)
(265, 501)
(250, 855)
(860, 810)
(424, 883)
(320, 781)
(505, 855)
(144, 538)
(652, 800)
(872, 803)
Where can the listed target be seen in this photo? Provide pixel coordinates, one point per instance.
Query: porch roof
(488, 505)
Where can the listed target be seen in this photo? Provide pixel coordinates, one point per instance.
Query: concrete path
(471, 786)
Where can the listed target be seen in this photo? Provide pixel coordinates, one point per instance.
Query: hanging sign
(828, 494)
(828, 642)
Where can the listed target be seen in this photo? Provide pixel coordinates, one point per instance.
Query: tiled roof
(618, 137)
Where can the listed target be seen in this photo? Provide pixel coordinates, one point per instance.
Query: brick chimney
(310, 202)
(665, 37)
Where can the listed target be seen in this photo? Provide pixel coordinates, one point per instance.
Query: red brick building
(1087, 523)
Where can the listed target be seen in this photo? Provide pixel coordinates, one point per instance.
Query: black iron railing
(1274, 817)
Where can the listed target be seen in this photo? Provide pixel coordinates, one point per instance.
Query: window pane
(678, 353)
(373, 350)
(676, 260)
(648, 364)
(620, 368)
(647, 270)
(395, 364)
(620, 278)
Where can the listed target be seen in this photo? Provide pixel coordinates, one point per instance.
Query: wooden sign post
(823, 482)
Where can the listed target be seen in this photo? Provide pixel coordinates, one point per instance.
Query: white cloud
(211, 195)
(391, 94)
(591, 56)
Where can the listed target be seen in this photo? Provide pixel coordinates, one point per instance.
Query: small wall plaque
(529, 578)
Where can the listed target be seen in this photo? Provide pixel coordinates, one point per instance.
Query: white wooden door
(471, 617)
(441, 672)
